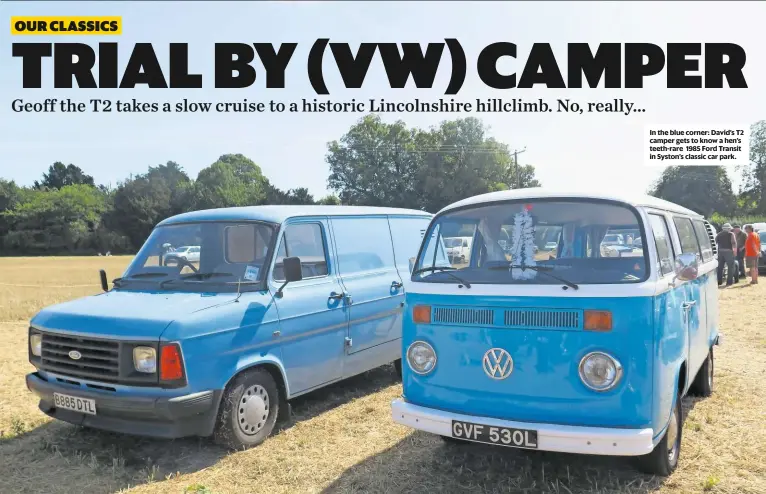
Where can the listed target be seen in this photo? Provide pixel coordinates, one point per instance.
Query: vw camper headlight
(36, 344)
(421, 357)
(600, 371)
(145, 359)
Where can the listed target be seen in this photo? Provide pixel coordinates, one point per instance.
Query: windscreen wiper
(118, 281)
(540, 269)
(444, 269)
(203, 276)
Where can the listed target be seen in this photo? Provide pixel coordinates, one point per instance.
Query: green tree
(329, 200)
(753, 197)
(56, 221)
(381, 164)
(704, 189)
(141, 202)
(60, 175)
(233, 180)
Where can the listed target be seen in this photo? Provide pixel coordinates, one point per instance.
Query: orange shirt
(752, 245)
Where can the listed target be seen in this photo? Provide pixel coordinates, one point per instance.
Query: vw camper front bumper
(143, 415)
(550, 437)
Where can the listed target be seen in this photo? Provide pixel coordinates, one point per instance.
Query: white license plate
(82, 405)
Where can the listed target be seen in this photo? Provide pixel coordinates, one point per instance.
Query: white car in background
(188, 253)
(458, 248)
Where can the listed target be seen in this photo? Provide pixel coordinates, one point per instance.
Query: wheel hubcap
(672, 436)
(253, 410)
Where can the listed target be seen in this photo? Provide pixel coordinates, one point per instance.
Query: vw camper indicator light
(36, 344)
(145, 359)
(600, 371)
(421, 357)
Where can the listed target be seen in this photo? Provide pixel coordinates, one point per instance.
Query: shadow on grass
(422, 462)
(59, 457)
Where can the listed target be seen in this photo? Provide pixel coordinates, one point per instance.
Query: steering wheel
(181, 263)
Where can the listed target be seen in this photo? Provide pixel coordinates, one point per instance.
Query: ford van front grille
(85, 358)
(521, 318)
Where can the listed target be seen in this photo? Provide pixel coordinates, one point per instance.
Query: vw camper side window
(664, 245)
(686, 236)
(704, 240)
(305, 241)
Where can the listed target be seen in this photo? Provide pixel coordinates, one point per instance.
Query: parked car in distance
(762, 259)
(568, 354)
(285, 300)
(188, 253)
(458, 248)
(550, 246)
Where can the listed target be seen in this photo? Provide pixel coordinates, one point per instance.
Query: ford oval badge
(75, 355)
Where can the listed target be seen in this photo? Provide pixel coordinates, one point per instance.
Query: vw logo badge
(497, 363)
(75, 355)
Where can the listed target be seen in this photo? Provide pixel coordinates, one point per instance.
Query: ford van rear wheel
(249, 410)
(703, 382)
(664, 458)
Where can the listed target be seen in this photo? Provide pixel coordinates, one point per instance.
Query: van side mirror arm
(279, 293)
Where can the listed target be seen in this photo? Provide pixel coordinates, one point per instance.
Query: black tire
(703, 382)
(398, 367)
(663, 460)
(241, 426)
(453, 440)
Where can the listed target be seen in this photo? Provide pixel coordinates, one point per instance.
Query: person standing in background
(727, 246)
(741, 237)
(752, 251)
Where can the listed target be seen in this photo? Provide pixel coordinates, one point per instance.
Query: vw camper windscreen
(543, 242)
(203, 257)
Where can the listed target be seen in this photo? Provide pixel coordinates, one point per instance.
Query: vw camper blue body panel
(226, 314)
(587, 349)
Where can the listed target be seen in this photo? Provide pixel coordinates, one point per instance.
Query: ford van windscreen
(202, 257)
(551, 241)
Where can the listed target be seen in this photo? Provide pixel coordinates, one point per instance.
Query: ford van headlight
(36, 344)
(421, 357)
(600, 371)
(145, 359)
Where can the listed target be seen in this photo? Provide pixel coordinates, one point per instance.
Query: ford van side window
(664, 245)
(689, 243)
(305, 241)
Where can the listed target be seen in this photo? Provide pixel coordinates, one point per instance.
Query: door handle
(337, 296)
(688, 305)
(396, 285)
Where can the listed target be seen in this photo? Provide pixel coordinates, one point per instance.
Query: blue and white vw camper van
(280, 301)
(583, 348)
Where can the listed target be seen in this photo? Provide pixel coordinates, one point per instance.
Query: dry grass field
(342, 439)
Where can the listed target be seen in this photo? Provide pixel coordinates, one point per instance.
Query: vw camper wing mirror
(293, 272)
(686, 267)
(104, 284)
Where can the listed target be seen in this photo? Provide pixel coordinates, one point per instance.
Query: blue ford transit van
(587, 347)
(224, 315)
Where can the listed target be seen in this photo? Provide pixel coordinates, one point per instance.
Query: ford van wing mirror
(104, 283)
(292, 270)
(686, 267)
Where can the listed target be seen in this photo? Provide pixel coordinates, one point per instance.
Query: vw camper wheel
(249, 410)
(703, 382)
(664, 458)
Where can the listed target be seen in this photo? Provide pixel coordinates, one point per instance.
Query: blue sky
(566, 149)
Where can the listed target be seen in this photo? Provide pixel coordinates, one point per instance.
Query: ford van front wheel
(249, 410)
(664, 458)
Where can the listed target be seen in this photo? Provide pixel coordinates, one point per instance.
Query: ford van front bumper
(138, 414)
(550, 437)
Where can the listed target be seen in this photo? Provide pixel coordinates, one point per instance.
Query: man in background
(741, 237)
(752, 251)
(727, 246)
